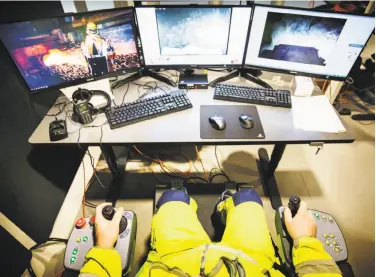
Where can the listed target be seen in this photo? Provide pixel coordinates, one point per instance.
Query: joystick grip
(294, 204)
(108, 212)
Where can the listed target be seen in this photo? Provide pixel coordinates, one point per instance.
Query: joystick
(294, 204)
(108, 213)
(328, 232)
(82, 239)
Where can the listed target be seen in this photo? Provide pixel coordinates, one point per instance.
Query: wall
(33, 180)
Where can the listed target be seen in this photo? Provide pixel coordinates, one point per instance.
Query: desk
(184, 128)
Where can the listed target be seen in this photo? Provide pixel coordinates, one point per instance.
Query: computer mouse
(217, 122)
(246, 121)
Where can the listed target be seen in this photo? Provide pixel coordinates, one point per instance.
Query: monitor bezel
(193, 66)
(82, 80)
(300, 73)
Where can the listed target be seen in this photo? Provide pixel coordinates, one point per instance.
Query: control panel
(82, 239)
(328, 232)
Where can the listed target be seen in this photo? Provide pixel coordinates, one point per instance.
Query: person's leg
(176, 227)
(246, 226)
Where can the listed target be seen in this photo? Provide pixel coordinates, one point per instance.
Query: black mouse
(217, 122)
(246, 121)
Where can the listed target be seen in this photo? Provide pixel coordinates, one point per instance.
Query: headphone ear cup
(81, 94)
(105, 95)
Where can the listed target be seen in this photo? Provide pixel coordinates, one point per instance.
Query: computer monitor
(193, 36)
(306, 42)
(62, 51)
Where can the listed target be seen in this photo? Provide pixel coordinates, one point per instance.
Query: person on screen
(181, 247)
(97, 50)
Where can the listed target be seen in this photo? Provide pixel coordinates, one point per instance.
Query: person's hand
(302, 224)
(106, 231)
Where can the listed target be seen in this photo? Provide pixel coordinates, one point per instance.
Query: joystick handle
(294, 204)
(108, 212)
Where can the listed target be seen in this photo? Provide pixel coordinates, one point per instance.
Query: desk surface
(184, 127)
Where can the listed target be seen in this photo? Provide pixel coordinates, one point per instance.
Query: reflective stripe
(238, 253)
(87, 275)
(317, 266)
(161, 266)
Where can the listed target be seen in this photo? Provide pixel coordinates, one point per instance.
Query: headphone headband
(86, 95)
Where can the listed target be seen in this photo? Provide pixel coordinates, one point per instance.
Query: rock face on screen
(193, 31)
(300, 38)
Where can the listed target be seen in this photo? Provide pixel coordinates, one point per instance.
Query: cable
(89, 204)
(39, 245)
(195, 178)
(219, 174)
(84, 197)
(219, 165)
(58, 106)
(167, 169)
(125, 93)
(91, 158)
(216, 157)
(202, 164)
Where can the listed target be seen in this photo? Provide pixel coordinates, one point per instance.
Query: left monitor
(62, 51)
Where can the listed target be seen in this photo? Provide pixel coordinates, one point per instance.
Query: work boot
(221, 212)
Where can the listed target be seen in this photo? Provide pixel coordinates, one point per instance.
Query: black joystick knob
(294, 204)
(108, 213)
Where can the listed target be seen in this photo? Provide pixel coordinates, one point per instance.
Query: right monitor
(322, 44)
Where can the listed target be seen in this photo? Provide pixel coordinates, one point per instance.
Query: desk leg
(267, 169)
(109, 155)
(114, 165)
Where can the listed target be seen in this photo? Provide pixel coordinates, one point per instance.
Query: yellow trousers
(181, 245)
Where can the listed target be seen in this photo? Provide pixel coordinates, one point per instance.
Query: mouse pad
(231, 114)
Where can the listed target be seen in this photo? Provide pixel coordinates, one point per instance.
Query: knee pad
(173, 195)
(246, 195)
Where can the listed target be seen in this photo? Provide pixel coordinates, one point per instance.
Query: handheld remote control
(82, 239)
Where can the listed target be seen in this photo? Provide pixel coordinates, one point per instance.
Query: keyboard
(145, 109)
(252, 95)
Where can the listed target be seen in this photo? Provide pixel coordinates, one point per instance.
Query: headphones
(83, 95)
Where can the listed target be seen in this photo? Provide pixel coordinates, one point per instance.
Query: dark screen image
(300, 38)
(193, 31)
(50, 52)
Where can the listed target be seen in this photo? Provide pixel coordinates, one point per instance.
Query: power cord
(43, 244)
(219, 165)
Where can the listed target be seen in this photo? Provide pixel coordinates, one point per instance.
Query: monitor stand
(249, 74)
(142, 73)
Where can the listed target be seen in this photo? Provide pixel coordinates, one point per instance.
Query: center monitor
(62, 51)
(200, 36)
